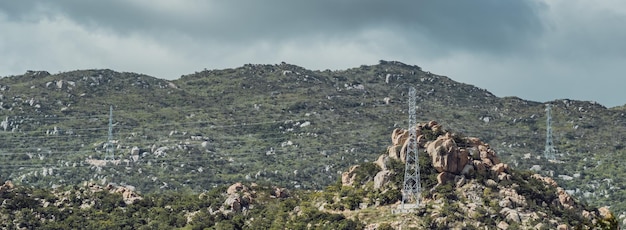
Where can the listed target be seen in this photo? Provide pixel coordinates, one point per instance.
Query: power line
(25, 135)
(269, 101)
(181, 158)
(176, 138)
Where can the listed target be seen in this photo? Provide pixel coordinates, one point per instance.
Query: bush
(389, 197)
(447, 191)
(352, 202)
(366, 172)
(385, 226)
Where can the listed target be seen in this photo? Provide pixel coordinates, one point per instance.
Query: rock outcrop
(446, 155)
(239, 197)
(488, 186)
(451, 154)
(8, 185)
(347, 178)
(280, 193)
(128, 192)
(381, 178)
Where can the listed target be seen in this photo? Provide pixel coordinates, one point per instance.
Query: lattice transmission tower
(549, 152)
(412, 189)
(110, 150)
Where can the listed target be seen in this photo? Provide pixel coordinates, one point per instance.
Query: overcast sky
(533, 49)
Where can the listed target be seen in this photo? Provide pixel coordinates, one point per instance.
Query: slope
(282, 124)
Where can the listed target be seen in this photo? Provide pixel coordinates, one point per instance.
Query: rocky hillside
(281, 124)
(90, 206)
(465, 186)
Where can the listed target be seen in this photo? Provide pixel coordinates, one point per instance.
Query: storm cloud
(538, 50)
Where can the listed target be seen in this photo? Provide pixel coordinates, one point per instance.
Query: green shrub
(366, 172)
(385, 226)
(390, 196)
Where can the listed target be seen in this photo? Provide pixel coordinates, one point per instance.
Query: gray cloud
(534, 49)
(486, 25)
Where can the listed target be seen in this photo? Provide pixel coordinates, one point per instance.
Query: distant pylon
(110, 155)
(412, 189)
(549, 152)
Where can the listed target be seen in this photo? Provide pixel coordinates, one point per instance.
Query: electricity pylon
(110, 155)
(411, 191)
(548, 153)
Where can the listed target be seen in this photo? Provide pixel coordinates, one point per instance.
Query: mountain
(281, 124)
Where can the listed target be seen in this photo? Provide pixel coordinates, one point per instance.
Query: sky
(538, 50)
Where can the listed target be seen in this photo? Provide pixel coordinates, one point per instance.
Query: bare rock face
(280, 193)
(605, 213)
(234, 203)
(7, 186)
(239, 197)
(510, 196)
(445, 155)
(500, 168)
(403, 151)
(347, 178)
(488, 155)
(445, 177)
(501, 171)
(399, 142)
(458, 158)
(511, 215)
(381, 161)
(480, 167)
(129, 195)
(394, 151)
(546, 180)
(565, 199)
(381, 179)
(503, 225)
(588, 215)
(454, 158)
(451, 155)
(399, 136)
(236, 187)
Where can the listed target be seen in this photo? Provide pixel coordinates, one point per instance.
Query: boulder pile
(488, 186)
(128, 192)
(453, 156)
(7, 186)
(240, 198)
